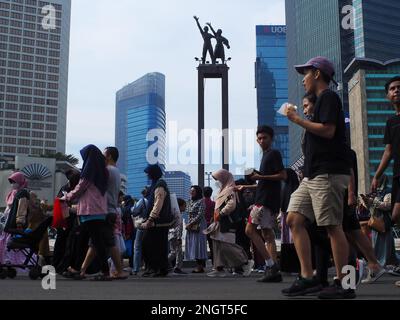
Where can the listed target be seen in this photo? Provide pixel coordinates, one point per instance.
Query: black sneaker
(271, 274)
(302, 287)
(179, 271)
(336, 291)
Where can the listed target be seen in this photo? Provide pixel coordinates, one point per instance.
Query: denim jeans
(137, 251)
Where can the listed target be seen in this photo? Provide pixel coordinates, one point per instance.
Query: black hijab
(94, 167)
(199, 193)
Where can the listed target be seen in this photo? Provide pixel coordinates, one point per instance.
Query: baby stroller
(28, 244)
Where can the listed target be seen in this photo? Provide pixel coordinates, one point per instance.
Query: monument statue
(207, 46)
(219, 52)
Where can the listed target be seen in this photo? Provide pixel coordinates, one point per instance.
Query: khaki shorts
(321, 199)
(263, 217)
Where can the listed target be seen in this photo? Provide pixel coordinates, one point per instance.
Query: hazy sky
(116, 42)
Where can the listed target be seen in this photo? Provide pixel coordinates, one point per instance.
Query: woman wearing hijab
(90, 194)
(156, 227)
(16, 215)
(223, 232)
(196, 240)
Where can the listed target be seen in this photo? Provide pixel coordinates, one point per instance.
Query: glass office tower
(140, 107)
(272, 83)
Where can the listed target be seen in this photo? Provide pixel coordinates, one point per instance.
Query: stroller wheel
(3, 273)
(11, 273)
(35, 273)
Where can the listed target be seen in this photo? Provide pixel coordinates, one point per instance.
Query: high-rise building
(316, 28)
(272, 83)
(34, 53)
(140, 108)
(377, 29)
(369, 112)
(179, 183)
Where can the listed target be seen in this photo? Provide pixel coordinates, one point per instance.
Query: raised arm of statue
(198, 24)
(212, 29)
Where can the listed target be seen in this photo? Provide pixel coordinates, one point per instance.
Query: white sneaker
(372, 277)
(247, 268)
(216, 274)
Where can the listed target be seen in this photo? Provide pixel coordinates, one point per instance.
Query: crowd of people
(323, 220)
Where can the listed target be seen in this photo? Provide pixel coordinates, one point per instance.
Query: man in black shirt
(392, 150)
(327, 174)
(267, 203)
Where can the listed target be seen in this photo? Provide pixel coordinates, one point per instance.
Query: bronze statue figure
(207, 42)
(219, 52)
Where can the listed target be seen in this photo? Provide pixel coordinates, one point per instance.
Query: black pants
(242, 239)
(101, 234)
(155, 249)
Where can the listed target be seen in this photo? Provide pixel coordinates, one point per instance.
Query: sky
(113, 43)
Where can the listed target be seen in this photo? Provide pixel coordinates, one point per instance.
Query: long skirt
(155, 249)
(195, 246)
(228, 255)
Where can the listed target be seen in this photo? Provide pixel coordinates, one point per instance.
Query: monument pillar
(213, 71)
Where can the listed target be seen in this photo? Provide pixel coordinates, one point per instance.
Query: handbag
(376, 223)
(194, 227)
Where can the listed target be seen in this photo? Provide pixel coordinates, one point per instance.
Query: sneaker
(271, 274)
(360, 270)
(179, 271)
(261, 269)
(302, 287)
(373, 276)
(237, 274)
(216, 274)
(336, 291)
(247, 268)
(395, 271)
(397, 284)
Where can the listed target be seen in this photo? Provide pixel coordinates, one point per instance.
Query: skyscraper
(34, 53)
(179, 183)
(140, 108)
(316, 27)
(272, 83)
(377, 29)
(313, 29)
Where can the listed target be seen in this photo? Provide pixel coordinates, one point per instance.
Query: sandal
(122, 276)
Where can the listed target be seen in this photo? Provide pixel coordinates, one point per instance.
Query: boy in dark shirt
(267, 203)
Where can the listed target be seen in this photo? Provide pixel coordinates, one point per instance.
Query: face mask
(218, 184)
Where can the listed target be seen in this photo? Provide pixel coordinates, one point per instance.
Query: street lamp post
(208, 174)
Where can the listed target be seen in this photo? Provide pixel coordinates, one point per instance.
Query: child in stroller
(28, 244)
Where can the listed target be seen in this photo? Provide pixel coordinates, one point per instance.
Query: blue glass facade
(272, 83)
(140, 107)
(179, 183)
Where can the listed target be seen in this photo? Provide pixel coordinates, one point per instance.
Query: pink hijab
(227, 188)
(20, 179)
